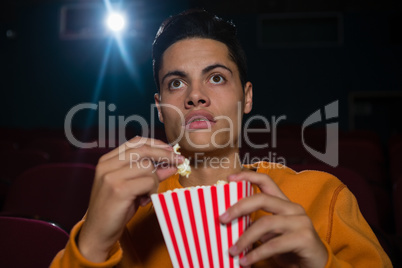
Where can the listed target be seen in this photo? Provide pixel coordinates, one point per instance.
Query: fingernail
(243, 261)
(232, 177)
(225, 216)
(233, 250)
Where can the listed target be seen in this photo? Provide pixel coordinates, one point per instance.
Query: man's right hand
(124, 179)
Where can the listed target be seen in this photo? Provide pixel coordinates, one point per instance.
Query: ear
(248, 97)
(157, 101)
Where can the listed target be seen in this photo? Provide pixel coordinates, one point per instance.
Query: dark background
(42, 75)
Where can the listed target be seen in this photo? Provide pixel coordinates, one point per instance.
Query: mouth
(199, 120)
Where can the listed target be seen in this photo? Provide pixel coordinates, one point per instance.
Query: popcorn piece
(176, 148)
(221, 182)
(183, 169)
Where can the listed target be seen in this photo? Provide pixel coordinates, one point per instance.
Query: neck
(208, 169)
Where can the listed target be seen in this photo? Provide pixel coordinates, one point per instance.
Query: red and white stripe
(189, 220)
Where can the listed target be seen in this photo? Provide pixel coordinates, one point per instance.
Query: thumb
(165, 172)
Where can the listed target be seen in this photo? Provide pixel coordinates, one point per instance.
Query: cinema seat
(397, 199)
(14, 163)
(57, 149)
(88, 156)
(395, 159)
(57, 192)
(364, 157)
(29, 242)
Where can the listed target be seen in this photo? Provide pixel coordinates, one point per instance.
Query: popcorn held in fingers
(183, 169)
(176, 148)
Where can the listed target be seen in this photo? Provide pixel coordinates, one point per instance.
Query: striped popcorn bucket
(189, 220)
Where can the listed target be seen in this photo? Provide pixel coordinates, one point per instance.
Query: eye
(217, 79)
(176, 84)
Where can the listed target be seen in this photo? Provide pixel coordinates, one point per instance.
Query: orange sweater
(330, 205)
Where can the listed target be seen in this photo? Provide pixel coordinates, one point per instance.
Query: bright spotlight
(116, 22)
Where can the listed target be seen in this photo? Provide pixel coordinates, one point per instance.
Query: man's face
(201, 99)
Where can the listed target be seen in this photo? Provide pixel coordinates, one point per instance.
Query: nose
(197, 97)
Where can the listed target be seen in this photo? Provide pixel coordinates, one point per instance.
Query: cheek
(230, 104)
(232, 116)
(171, 114)
(233, 93)
(234, 111)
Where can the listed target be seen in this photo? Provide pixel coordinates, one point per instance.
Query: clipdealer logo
(331, 154)
(330, 112)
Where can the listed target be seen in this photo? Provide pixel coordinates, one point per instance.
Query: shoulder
(303, 187)
(284, 175)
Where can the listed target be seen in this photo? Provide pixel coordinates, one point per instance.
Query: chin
(205, 144)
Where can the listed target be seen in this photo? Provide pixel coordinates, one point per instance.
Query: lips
(199, 120)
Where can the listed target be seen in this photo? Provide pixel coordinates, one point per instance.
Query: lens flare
(116, 22)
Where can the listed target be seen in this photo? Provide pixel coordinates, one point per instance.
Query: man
(307, 219)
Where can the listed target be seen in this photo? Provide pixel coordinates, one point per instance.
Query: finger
(264, 202)
(286, 243)
(144, 200)
(267, 237)
(139, 169)
(139, 155)
(126, 173)
(165, 172)
(263, 181)
(136, 142)
(141, 186)
(151, 187)
(265, 229)
(119, 194)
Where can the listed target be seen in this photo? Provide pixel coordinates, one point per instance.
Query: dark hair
(197, 23)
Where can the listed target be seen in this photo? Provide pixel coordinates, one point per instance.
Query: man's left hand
(288, 235)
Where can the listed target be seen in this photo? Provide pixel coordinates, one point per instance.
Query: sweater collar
(173, 181)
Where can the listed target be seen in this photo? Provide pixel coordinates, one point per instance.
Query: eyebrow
(173, 73)
(211, 67)
(204, 71)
